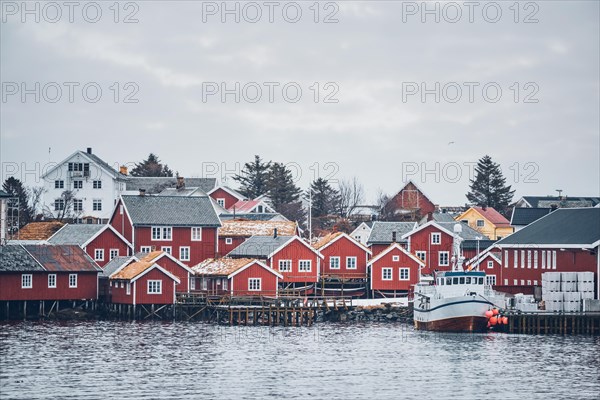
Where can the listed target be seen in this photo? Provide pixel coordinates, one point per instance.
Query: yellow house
(487, 221)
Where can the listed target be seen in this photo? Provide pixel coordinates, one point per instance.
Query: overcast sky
(376, 58)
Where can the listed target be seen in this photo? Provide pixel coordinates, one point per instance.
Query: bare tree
(63, 208)
(35, 200)
(386, 212)
(352, 194)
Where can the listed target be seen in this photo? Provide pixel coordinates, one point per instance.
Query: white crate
(568, 286)
(587, 295)
(585, 277)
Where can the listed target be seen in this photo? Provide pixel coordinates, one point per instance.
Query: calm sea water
(152, 360)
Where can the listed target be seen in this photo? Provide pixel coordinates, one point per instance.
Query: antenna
(559, 192)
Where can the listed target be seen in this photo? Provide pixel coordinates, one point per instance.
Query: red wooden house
(143, 282)
(183, 226)
(384, 233)
(101, 242)
(409, 204)
(489, 262)
(393, 272)
(234, 232)
(344, 257)
(225, 196)
(291, 256)
(236, 277)
(47, 272)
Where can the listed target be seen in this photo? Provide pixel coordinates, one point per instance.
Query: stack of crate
(566, 291)
(551, 291)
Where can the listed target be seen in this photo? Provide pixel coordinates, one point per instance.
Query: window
(97, 185)
(350, 262)
(522, 282)
(480, 223)
(26, 281)
(225, 284)
(145, 249)
(77, 184)
(204, 284)
(304, 265)
(515, 260)
(466, 221)
(436, 238)
(490, 280)
(535, 259)
(221, 202)
(254, 284)
(553, 259)
(543, 259)
(192, 283)
(81, 169)
(166, 249)
(528, 282)
(197, 233)
(443, 258)
(490, 264)
(522, 258)
(59, 184)
(505, 258)
(122, 284)
(59, 204)
(72, 280)
(506, 282)
(404, 274)
(114, 253)
(162, 233)
(99, 255)
(334, 262)
(498, 237)
(52, 280)
(121, 209)
(77, 205)
(422, 255)
(97, 205)
(228, 241)
(529, 259)
(154, 287)
(128, 289)
(386, 274)
(184, 253)
(515, 282)
(395, 258)
(535, 283)
(285, 265)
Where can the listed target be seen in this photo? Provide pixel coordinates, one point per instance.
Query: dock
(545, 323)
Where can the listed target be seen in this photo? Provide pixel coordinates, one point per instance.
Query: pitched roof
(15, 258)
(157, 184)
(75, 234)
(395, 246)
(332, 237)
(493, 216)
(171, 211)
(247, 228)
(113, 265)
(564, 227)
(471, 244)
(229, 190)
(252, 216)
(93, 158)
(245, 205)
(525, 215)
(139, 267)
(61, 258)
(563, 201)
(38, 230)
(221, 266)
(186, 191)
(467, 233)
(439, 217)
(381, 232)
(259, 246)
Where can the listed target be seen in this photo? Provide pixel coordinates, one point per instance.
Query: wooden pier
(542, 323)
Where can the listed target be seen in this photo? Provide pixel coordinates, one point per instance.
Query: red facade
(228, 198)
(411, 201)
(87, 286)
(107, 240)
(344, 248)
(378, 248)
(120, 221)
(239, 283)
(296, 251)
(177, 270)
(401, 271)
(423, 242)
(138, 289)
(225, 248)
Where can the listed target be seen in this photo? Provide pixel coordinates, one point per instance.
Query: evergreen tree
(19, 201)
(489, 189)
(151, 167)
(254, 178)
(324, 205)
(280, 186)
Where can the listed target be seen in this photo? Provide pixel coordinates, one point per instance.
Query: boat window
(455, 281)
(481, 281)
(462, 280)
(468, 280)
(441, 281)
(448, 281)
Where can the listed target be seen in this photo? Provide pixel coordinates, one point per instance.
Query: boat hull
(456, 324)
(455, 314)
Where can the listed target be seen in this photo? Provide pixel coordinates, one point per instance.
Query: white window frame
(204, 284)
(97, 184)
(187, 251)
(98, 254)
(145, 249)
(228, 241)
(528, 259)
(59, 184)
(522, 258)
(52, 282)
(402, 270)
(286, 264)
(167, 249)
(128, 288)
(436, 238)
(490, 280)
(221, 201)
(254, 284)
(97, 204)
(77, 184)
(535, 259)
(77, 205)
(196, 233)
(59, 204)
(26, 281)
(348, 262)
(516, 258)
(396, 258)
(418, 253)
(515, 282)
(385, 271)
(225, 284)
(553, 259)
(165, 233)
(154, 286)
(490, 264)
(192, 283)
(331, 262)
(543, 259)
(505, 282)
(505, 258)
(72, 281)
(447, 254)
(113, 253)
(304, 268)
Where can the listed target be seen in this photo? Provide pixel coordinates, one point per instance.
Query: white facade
(3, 210)
(95, 185)
(361, 233)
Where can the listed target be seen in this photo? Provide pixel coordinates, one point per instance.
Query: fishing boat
(457, 300)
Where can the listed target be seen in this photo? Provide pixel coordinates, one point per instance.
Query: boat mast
(457, 257)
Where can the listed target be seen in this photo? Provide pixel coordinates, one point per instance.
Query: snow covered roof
(248, 228)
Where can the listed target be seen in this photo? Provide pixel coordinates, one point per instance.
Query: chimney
(275, 233)
(123, 170)
(429, 216)
(142, 192)
(394, 236)
(180, 182)
(89, 150)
